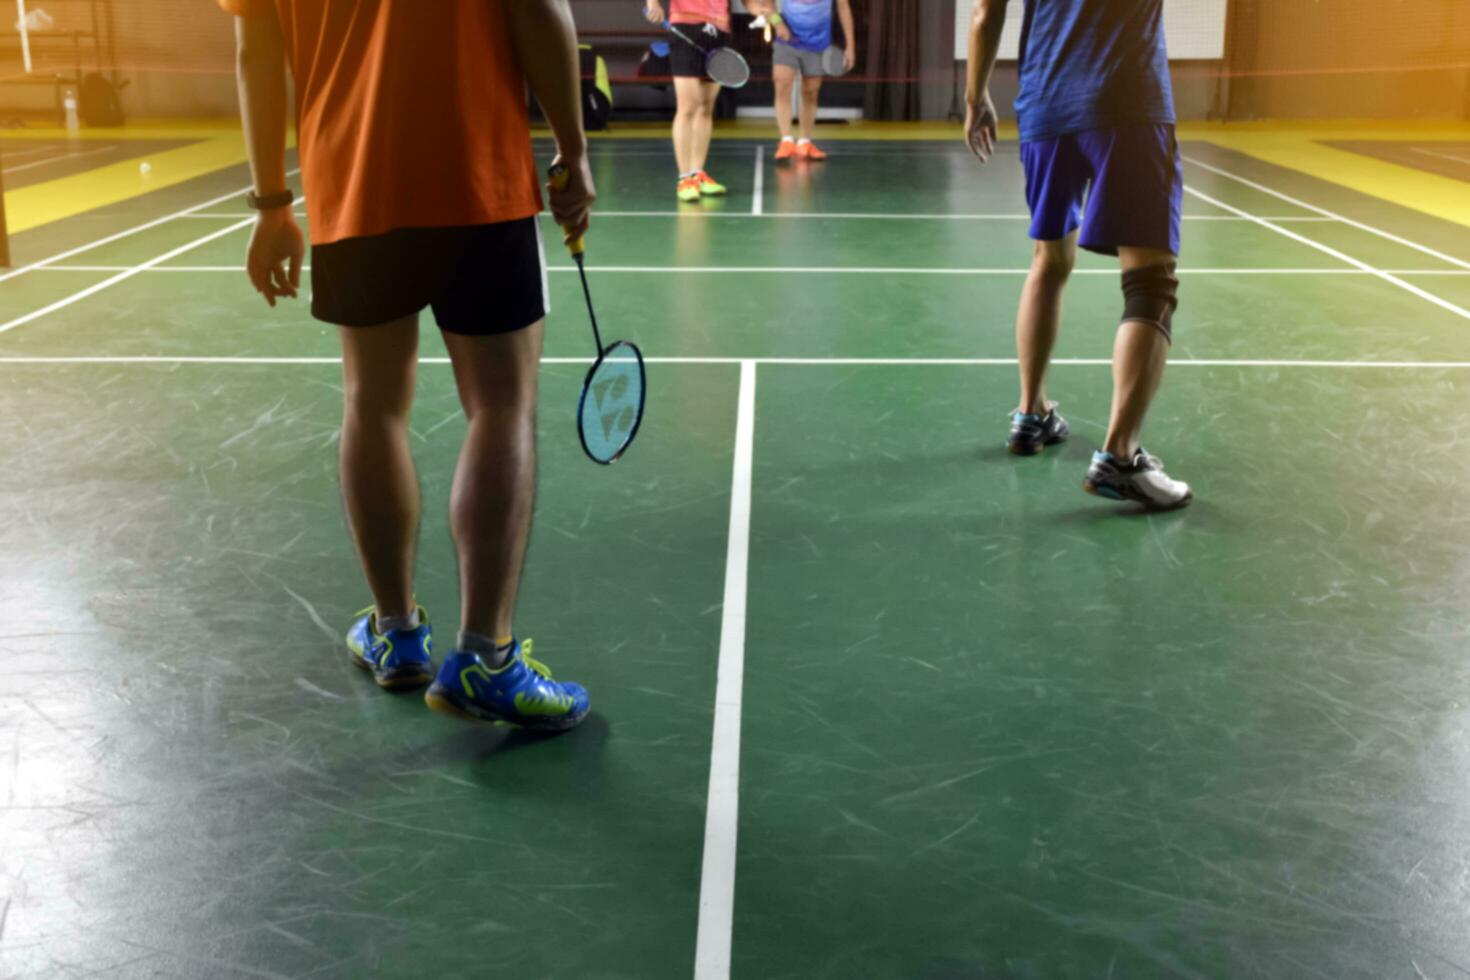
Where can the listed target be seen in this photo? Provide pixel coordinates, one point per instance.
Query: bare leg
(785, 78)
(810, 90)
(1039, 317)
(379, 486)
(687, 91)
(495, 483)
(1139, 355)
(703, 124)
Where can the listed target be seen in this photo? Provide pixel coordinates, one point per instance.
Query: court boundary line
(127, 232)
(166, 360)
(1361, 226)
(1364, 270)
(715, 935)
(97, 287)
(1388, 277)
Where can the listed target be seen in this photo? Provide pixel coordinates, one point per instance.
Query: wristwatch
(271, 201)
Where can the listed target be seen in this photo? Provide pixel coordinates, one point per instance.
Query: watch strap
(270, 202)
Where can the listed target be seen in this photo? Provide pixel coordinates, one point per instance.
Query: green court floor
(872, 699)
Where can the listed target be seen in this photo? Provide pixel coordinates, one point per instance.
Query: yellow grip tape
(559, 177)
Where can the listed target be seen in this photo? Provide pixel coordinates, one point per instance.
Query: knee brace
(1151, 294)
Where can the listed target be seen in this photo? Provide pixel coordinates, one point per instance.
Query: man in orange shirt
(421, 191)
(701, 26)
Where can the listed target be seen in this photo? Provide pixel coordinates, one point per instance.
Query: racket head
(726, 66)
(610, 411)
(834, 61)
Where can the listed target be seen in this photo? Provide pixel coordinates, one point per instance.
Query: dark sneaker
(1142, 480)
(1031, 433)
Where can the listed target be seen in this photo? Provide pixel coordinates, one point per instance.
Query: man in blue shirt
(1102, 170)
(804, 33)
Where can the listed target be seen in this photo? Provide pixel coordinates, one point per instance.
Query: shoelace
(541, 669)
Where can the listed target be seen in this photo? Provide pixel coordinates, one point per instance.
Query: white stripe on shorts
(545, 286)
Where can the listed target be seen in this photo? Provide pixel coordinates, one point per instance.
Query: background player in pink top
(705, 23)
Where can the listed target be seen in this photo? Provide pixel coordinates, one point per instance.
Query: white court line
(187, 359)
(820, 269)
(64, 156)
(758, 199)
(1329, 250)
(237, 215)
(843, 215)
(114, 280)
(722, 805)
(126, 233)
(31, 151)
(1461, 263)
(1442, 156)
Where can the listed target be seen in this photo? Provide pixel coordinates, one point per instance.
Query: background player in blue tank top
(1102, 167)
(804, 31)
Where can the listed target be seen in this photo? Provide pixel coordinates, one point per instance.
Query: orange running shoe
(809, 151)
(708, 186)
(689, 189)
(786, 150)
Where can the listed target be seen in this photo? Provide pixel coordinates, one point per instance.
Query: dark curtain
(1236, 95)
(892, 52)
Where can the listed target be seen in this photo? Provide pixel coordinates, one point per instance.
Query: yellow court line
(65, 197)
(1303, 151)
(1294, 145)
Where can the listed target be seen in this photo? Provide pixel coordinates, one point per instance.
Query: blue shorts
(1122, 186)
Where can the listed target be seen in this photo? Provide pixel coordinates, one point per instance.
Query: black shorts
(478, 279)
(687, 60)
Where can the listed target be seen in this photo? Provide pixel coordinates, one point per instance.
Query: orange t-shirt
(410, 114)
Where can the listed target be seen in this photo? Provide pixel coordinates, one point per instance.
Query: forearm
(986, 25)
(545, 42)
(260, 69)
(849, 33)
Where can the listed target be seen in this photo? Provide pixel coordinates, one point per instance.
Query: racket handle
(558, 176)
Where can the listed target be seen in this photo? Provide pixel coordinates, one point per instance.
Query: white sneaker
(1142, 479)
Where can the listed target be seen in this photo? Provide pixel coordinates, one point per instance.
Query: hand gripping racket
(610, 408)
(723, 65)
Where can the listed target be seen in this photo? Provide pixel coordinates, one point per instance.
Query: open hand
(849, 58)
(273, 261)
(980, 123)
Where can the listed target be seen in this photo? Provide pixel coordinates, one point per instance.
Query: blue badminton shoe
(521, 693)
(397, 659)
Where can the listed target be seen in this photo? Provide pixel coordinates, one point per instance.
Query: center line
(757, 204)
(721, 818)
